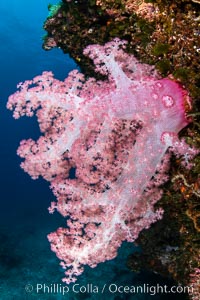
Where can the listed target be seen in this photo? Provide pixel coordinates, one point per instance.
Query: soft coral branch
(114, 135)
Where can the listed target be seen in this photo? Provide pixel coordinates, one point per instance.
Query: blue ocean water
(26, 261)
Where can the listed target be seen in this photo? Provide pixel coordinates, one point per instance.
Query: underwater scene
(100, 144)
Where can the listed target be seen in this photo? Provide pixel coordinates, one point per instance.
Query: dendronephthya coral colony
(115, 135)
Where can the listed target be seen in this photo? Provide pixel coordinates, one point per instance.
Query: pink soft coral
(113, 135)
